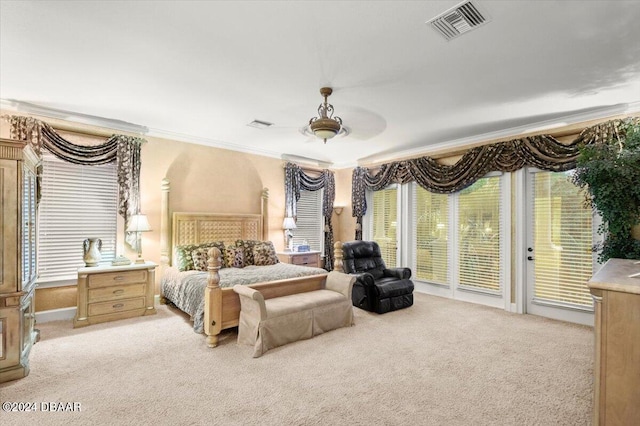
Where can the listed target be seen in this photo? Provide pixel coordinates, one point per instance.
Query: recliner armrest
(364, 278)
(399, 273)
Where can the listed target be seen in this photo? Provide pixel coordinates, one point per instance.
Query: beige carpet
(440, 362)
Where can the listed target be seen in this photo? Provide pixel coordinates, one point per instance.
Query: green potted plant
(610, 173)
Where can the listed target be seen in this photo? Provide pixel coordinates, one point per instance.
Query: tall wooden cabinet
(616, 292)
(18, 185)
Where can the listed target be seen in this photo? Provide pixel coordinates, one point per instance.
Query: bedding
(186, 289)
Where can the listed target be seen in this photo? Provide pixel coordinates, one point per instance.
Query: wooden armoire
(18, 259)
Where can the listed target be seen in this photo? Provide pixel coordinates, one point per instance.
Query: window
(384, 223)
(77, 202)
(310, 222)
(479, 235)
(431, 224)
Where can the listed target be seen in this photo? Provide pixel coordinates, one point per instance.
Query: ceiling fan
(363, 124)
(326, 126)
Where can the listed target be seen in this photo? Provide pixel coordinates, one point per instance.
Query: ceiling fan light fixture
(325, 126)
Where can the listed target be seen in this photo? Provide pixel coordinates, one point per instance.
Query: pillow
(247, 247)
(184, 260)
(234, 257)
(200, 257)
(264, 254)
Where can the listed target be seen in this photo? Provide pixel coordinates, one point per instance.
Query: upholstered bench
(267, 324)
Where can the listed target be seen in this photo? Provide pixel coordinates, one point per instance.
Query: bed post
(165, 255)
(264, 207)
(338, 255)
(213, 299)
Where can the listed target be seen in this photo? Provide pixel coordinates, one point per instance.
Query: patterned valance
(542, 151)
(124, 150)
(295, 179)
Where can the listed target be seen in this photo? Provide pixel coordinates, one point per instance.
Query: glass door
(480, 251)
(559, 254)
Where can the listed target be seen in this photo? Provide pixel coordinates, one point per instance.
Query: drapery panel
(295, 180)
(124, 150)
(541, 151)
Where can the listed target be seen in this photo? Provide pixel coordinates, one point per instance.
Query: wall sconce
(338, 210)
(138, 224)
(288, 224)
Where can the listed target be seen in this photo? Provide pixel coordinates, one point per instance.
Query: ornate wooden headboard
(198, 227)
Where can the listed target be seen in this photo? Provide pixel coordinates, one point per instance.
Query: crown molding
(513, 132)
(76, 117)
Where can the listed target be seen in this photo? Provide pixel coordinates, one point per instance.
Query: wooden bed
(222, 305)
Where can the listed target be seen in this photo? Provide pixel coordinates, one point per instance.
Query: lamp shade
(288, 223)
(138, 223)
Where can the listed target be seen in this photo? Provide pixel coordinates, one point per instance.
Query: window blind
(563, 239)
(479, 234)
(385, 223)
(77, 202)
(309, 223)
(431, 225)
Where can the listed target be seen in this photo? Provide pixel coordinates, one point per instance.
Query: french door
(480, 242)
(559, 257)
(455, 244)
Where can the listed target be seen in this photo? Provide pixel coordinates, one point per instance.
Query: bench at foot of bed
(266, 324)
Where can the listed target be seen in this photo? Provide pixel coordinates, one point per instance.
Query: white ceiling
(201, 71)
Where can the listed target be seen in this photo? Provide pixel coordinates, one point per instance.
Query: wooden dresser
(305, 258)
(108, 293)
(18, 263)
(617, 343)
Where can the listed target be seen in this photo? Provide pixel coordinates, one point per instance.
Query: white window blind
(77, 202)
(385, 223)
(431, 225)
(563, 239)
(479, 234)
(309, 223)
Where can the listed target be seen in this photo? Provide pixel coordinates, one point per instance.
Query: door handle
(529, 257)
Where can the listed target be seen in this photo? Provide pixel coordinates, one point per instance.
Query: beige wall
(344, 225)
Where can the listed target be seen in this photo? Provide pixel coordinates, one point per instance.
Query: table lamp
(288, 224)
(138, 223)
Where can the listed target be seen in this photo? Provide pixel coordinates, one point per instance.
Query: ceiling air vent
(458, 20)
(259, 124)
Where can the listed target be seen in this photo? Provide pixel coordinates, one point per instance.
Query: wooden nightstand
(305, 258)
(108, 293)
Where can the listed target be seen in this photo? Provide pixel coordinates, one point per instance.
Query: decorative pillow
(234, 257)
(184, 260)
(200, 258)
(247, 246)
(264, 254)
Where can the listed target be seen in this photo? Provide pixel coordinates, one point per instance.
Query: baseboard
(156, 299)
(62, 314)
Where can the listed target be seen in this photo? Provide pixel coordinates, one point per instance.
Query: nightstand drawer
(115, 306)
(116, 292)
(117, 278)
(308, 260)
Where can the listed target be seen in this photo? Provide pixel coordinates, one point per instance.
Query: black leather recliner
(377, 288)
